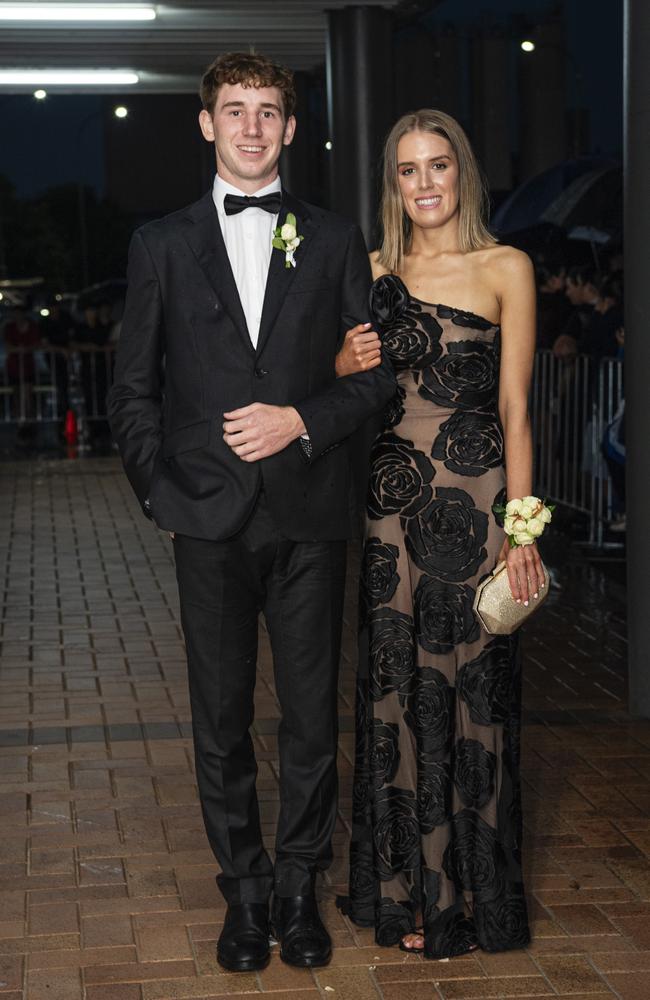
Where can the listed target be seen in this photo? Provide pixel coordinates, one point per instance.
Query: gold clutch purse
(496, 608)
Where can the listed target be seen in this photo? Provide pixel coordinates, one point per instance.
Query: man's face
(248, 130)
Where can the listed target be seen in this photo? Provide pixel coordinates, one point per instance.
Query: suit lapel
(203, 234)
(280, 277)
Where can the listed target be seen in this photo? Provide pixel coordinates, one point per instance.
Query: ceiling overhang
(170, 53)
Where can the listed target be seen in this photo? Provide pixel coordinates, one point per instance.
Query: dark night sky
(59, 139)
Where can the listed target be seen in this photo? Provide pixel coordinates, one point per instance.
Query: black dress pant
(299, 587)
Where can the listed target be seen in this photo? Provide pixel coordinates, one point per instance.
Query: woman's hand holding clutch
(525, 571)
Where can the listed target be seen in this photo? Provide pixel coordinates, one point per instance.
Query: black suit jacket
(185, 357)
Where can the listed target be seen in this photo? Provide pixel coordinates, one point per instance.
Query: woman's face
(427, 173)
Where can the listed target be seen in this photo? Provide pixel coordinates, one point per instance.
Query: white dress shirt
(248, 237)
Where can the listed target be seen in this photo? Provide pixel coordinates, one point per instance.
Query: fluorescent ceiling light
(73, 77)
(75, 12)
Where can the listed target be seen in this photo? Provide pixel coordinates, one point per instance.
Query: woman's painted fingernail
(525, 604)
(535, 596)
(519, 600)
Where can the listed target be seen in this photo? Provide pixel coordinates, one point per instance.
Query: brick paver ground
(106, 880)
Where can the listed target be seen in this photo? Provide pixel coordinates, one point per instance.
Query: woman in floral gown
(435, 855)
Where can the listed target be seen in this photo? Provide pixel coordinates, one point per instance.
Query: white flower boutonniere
(286, 238)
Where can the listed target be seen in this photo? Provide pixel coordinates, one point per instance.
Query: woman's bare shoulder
(505, 261)
(377, 268)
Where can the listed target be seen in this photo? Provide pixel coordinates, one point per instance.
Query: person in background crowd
(596, 297)
(599, 337)
(554, 312)
(581, 293)
(22, 336)
(90, 336)
(57, 330)
(94, 330)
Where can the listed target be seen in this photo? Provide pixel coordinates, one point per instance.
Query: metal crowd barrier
(40, 386)
(572, 403)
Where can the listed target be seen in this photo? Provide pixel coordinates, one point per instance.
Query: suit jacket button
(260, 372)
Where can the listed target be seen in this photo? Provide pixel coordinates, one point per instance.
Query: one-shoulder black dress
(436, 815)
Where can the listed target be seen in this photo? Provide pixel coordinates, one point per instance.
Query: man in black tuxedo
(236, 437)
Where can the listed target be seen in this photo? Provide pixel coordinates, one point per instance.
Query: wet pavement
(106, 880)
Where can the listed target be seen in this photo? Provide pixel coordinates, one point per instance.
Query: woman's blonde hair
(473, 202)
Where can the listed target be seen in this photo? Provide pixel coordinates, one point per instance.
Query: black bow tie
(234, 203)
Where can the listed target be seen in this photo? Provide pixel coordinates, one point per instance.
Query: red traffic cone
(70, 432)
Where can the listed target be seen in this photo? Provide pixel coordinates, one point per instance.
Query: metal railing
(572, 403)
(40, 386)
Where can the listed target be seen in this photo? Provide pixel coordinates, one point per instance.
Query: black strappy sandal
(412, 951)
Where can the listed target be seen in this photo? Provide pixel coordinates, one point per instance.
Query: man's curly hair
(250, 70)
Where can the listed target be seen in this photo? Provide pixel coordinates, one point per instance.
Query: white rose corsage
(524, 519)
(286, 238)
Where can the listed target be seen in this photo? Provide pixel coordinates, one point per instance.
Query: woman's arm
(361, 349)
(516, 291)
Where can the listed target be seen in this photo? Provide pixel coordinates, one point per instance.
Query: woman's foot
(413, 942)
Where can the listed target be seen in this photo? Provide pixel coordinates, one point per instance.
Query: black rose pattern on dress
(362, 882)
(469, 443)
(384, 752)
(473, 859)
(465, 377)
(430, 893)
(446, 538)
(460, 317)
(484, 683)
(474, 770)
(399, 477)
(361, 785)
(451, 934)
(410, 335)
(388, 299)
(429, 714)
(391, 653)
(434, 795)
(396, 921)
(394, 410)
(443, 615)
(379, 576)
(412, 340)
(396, 831)
(430, 697)
(503, 923)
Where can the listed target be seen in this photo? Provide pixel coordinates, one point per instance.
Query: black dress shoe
(243, 945)
(299, 929)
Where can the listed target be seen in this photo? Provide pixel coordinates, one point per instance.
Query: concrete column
(542, 119)
(449, 62)
(360, 109)
(490, 131)
(427, 71)
(415, 71)
(297, 159)
(637, 346)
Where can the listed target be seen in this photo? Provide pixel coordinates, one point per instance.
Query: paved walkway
(106, 880)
